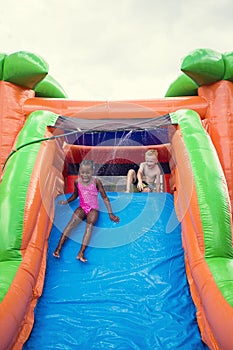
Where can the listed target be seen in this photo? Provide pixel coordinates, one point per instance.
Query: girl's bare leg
(77, 217)
(131, 178)
(92, 217)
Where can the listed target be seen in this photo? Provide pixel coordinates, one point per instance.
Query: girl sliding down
(86, 187)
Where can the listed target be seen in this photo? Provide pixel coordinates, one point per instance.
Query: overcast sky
(115, 49)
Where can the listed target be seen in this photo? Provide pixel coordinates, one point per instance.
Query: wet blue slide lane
(132, 293)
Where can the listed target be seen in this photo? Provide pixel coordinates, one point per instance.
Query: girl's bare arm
(73, 196)
(103, 194)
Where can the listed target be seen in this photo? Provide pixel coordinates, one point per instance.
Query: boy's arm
(73, 196)
(140, 175)
(159, 178)
(101, 189)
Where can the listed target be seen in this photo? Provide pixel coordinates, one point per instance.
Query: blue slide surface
(132, 293)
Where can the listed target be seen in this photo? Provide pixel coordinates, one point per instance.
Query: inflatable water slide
(44, 136)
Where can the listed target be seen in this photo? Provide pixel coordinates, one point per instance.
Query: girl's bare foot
(81, 257)
(56, 254)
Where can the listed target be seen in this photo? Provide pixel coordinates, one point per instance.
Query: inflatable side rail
(32, 176)
(203, 207)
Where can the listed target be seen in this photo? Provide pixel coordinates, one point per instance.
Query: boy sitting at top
(149, 175)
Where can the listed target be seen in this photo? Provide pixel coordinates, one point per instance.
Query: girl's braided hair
(86, 162)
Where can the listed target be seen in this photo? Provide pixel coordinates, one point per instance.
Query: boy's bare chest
(151, 172)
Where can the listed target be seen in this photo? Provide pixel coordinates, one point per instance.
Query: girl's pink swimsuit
(88, 196)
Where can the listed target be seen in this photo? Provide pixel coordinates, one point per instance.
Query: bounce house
(134, 264)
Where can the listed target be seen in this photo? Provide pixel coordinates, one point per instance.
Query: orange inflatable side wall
(219, 124)
(215, 315)
(46, 183)
(12, 98)
(184, 196)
